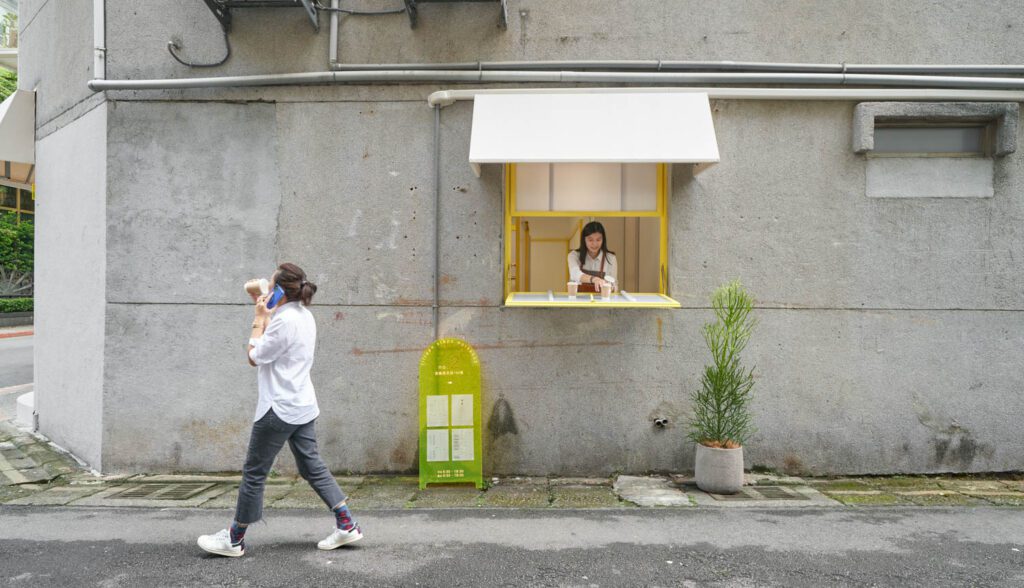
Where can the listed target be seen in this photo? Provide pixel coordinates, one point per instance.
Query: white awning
(9, 59)
(592, 128)
(18, 127)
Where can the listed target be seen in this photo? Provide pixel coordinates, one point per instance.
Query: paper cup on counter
(606, 291)
(572, 288)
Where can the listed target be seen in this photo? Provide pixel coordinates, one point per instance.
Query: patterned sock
(237, 533)
(343, 518)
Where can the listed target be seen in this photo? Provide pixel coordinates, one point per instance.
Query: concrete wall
(55, 56)
(890, 329)
(70, 292)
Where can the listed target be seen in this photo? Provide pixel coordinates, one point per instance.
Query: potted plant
(721, 420)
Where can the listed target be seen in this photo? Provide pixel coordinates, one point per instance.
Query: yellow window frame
(512, 214)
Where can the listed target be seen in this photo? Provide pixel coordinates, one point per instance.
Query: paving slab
(942, 499)
(466, 496)
(517, 496)
(973, 485)
(650, 491)
(900, 483)
(764, 479)
(149, 496)
(57, 496)
(378, 496)
(869, 499)
(840, 485)
(595, 496)
(11, 492)
(300, 495)
(763, 496)
(580, 482)
(271, 494)
(1000, 498)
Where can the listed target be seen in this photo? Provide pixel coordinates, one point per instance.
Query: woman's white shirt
(592, 264)
(284, 357)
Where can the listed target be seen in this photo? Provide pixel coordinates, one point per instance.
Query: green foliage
(8, 83)
(721, 414)
(15, 305)
(16, 243)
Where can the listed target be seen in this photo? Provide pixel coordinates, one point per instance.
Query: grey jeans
(268, 437)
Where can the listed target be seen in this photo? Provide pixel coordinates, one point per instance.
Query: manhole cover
(179, 491)
(762, 493)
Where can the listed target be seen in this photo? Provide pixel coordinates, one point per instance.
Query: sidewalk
(33, 472)
(22, 331)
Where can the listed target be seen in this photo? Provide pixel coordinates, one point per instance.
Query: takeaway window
(571, 158)
(933, 150)
(548, 206)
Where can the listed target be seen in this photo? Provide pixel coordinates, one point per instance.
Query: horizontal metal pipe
(674, 78)
(447, 97)
(655, 65)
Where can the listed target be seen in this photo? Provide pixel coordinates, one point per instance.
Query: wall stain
(358, 351)
(339, 316)
(661, 342)
(792, 465)
(953, 446)
(503, 420)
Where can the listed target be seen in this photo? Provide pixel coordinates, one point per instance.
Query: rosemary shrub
(721, 414)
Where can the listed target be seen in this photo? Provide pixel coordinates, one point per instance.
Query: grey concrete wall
(834, 31)
(70, 292)
(55, 54)
(890, 335)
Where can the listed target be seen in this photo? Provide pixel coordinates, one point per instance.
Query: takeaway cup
(572, 288)
(257, 287)
(606, 291)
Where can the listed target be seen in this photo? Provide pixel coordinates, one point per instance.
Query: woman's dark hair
(589, 229)
(292, 280)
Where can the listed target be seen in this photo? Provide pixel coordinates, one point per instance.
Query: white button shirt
(592, 264)
(284, 356)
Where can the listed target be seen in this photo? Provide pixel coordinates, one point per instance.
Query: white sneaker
(220, 544)
(339, 538)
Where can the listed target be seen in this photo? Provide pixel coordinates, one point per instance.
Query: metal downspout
(332, 51)
(99, 40)
(437, 220)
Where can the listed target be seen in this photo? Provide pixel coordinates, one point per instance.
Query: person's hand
(598, 282)
(262, 312)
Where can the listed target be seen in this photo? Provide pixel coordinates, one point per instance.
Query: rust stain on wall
(339, 316)
(358, 351)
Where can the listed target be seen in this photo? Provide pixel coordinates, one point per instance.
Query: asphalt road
(15, 371)
(978, 546)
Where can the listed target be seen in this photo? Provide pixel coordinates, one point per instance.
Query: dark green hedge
(15, 305)
(16, 246)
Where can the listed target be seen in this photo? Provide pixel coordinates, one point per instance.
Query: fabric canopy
(670, 127)
(18, 127)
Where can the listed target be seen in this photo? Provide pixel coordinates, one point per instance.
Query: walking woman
(281, 347)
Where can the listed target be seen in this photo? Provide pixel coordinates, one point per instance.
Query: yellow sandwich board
(450, 432)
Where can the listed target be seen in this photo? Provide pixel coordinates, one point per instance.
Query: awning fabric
(592, 128)
(18, 127)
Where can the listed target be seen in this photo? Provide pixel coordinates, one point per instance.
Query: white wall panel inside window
(587, 186)
(640, 186)
(533, 186)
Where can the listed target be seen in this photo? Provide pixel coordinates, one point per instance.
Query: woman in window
(592, 265)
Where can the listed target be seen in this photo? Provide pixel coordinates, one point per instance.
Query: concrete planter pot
(719, 471)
